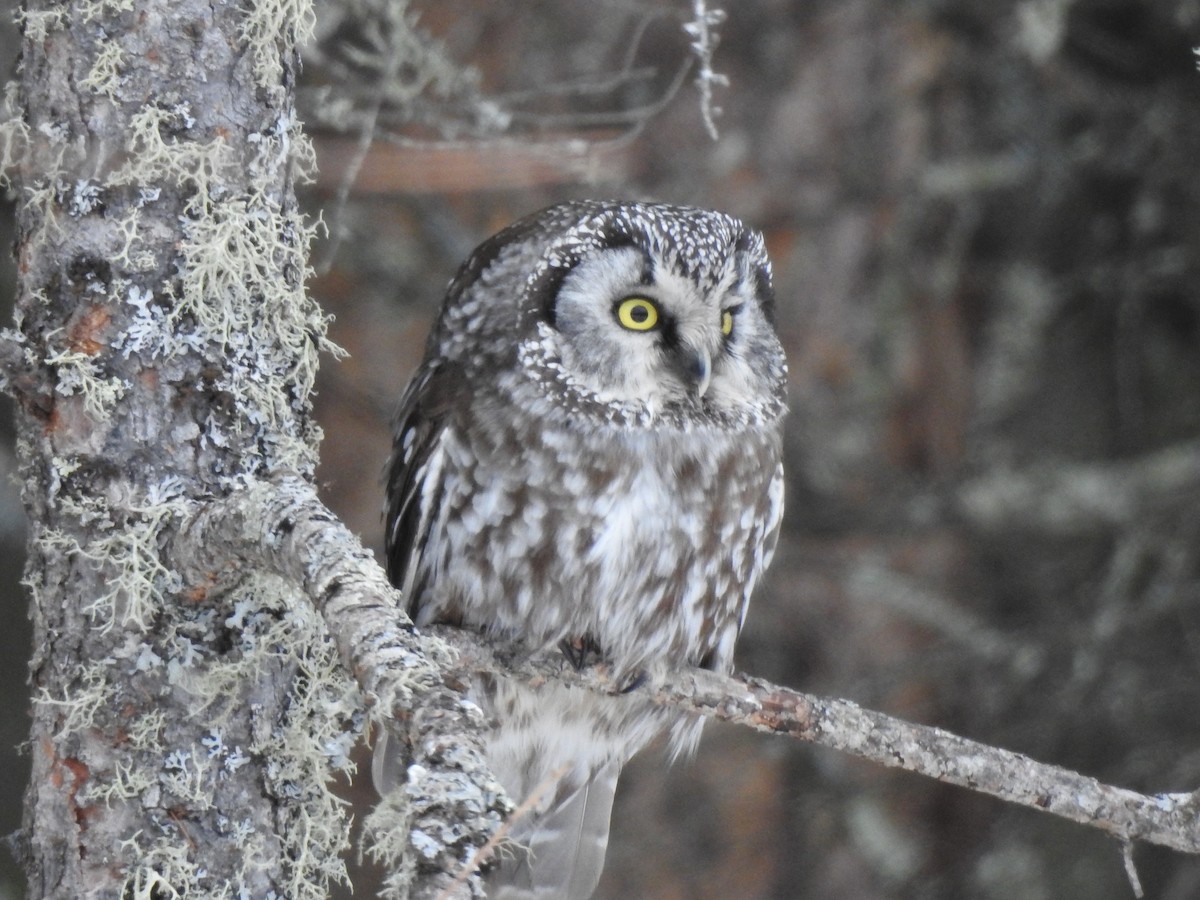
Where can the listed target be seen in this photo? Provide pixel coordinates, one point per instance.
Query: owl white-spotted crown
(636, 312)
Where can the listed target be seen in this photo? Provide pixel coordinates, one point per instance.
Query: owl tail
(560, 851)
(555, 852)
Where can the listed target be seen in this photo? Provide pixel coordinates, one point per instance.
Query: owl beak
(697, 367)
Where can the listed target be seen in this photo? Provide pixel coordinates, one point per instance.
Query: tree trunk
(183, 731)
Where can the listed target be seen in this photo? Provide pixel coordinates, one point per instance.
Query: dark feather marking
(424, 410)
(765, 292)
(543, 292)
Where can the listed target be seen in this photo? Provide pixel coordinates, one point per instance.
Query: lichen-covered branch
(451, 803)
(417, 678)
(163, 353)
(1170, 820)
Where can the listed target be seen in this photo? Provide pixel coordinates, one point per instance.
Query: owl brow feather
(650, 228)
(562, 257)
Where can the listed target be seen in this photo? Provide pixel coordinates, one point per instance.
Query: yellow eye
(637, 314)
(727, 322)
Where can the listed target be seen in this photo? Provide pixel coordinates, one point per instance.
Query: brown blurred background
(985, 226)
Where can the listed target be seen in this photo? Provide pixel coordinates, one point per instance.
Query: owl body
(591, 453)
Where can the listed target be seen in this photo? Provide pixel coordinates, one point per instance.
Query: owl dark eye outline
(637, 314)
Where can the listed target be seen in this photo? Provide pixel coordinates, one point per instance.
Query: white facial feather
(610, 362)
(617, 365)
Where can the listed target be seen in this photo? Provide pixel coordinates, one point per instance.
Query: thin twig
(365, 137)
(1131, 871)
(702, 29)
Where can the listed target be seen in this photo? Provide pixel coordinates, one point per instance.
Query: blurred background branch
(982, 216)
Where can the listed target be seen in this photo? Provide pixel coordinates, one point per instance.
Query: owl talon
(580, 651)
(635, 682)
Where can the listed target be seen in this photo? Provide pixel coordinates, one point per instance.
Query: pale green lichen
(80, 373)
(231, 282)
(95, 10)
(196, 165)
(37, 25)
(90, 694)
(304, 748)
(14, 143)
(238, 303)
(270, 27)
(127, 780)
(43, 197)
(132, 255)
(125, 554)
(324, 712)
(104, 77)
(243, 261)
(385, 836)
(163, 866)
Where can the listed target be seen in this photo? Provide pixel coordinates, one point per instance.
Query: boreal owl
(589, 457)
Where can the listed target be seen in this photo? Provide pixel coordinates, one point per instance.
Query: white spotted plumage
(562, 476)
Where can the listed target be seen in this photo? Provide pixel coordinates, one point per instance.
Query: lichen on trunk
(183, 731)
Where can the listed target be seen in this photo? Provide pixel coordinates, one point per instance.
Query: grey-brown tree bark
(199, 618)
(184, 728)
(207, 636)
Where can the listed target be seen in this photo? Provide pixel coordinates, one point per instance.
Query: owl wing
(420, 424)
(772, 518)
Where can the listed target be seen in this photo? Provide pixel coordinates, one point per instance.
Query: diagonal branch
(1171, 820)
(419, 678)
(282, 526)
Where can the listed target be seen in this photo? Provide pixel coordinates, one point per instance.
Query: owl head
(631, 311)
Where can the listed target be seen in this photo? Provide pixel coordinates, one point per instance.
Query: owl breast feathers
(591, 452)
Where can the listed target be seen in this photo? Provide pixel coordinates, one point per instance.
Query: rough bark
(182, 736)
(451, 805)
(190, 704)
